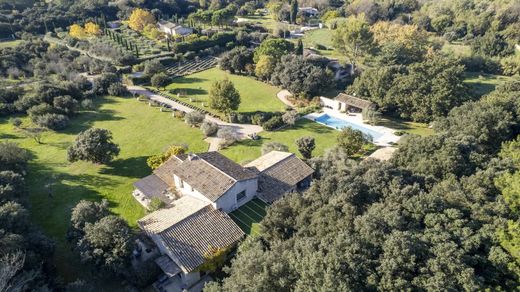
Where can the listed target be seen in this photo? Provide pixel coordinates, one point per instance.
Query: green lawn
(321, 36)
(248, 150)
(9, 44)
(264, 20)
(482, 84)
(249, 215)
(139, 130)
(458, 49)
(255, 95)
(409, 127)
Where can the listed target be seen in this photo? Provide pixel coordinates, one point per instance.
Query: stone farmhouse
(200, 190)
(174, 29)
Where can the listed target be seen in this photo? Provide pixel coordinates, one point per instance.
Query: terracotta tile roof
(190, 240)
(227, 165)
(166, 170)
(152, 186)
(162, 219)
(211, 173)
(279, 173)
(354, 101)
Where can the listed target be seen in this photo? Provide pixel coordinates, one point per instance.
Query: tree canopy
(223, 96)
(93, 145)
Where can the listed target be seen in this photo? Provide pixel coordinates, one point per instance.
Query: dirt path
(283, 96)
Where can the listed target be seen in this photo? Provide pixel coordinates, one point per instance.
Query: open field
(9, 44)
(248, 150)
(457, 49)
(321, 36)
(249, 215)
(264, 20)
(409, 127)
(482, 84)
(139, 130)
(255, 95)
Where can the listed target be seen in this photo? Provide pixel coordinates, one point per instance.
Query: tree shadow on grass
(190, 91)
(8, 136)
(134, 167)
(87, 119)
(189, 80)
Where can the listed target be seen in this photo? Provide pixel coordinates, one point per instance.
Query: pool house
(347, 103)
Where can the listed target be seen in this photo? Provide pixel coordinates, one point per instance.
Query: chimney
(192, 156)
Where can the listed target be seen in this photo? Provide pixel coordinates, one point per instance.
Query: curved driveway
(243, 130)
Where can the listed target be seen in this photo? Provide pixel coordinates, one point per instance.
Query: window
(241, 195)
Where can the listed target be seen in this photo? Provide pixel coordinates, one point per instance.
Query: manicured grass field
(321, 36)
(409, 127)
(9, 44)
(482, 84)
(264, 20)
(248, 150)
(139, 130)
(249, 215)
(255, 95)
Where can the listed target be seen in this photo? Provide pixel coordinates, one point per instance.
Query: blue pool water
(340, 124)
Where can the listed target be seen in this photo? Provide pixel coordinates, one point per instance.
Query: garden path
(243, 130)
(283, 96)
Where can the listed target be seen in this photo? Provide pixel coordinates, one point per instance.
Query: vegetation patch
(254, 95)
(248, 150)
(248, 216)
(55, 185)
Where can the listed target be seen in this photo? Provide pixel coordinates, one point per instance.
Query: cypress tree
(294, 11)
(299, 48)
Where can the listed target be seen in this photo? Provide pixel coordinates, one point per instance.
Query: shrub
(273, 123)
(117, 89)
(160, 80)
(93, 145)
(65, 104)
(290, 117)
(39, 110)
(156, 204)
(194, 118)
(87, 104)
(209, 128)
(152, 67)
(15, 122)
(229, 135)
(52, 121)
(306, 145)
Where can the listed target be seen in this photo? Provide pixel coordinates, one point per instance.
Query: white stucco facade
(229, 201)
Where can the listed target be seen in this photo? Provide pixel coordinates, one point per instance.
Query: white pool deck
(388, 137)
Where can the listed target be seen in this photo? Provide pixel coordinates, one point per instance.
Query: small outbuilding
(350, 103)
(174, 29)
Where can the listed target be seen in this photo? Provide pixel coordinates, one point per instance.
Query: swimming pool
(340, 124)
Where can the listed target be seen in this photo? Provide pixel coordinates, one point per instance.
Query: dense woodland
(442, 214)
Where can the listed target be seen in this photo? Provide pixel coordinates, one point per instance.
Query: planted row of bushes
(268, 120)
(203, 42)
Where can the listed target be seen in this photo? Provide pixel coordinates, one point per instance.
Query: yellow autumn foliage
(76, 31)
(92, 28)
(140, 18)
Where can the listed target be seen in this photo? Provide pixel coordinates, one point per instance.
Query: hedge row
(201, 43)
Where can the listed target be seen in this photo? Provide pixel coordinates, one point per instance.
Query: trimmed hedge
(202, 43)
